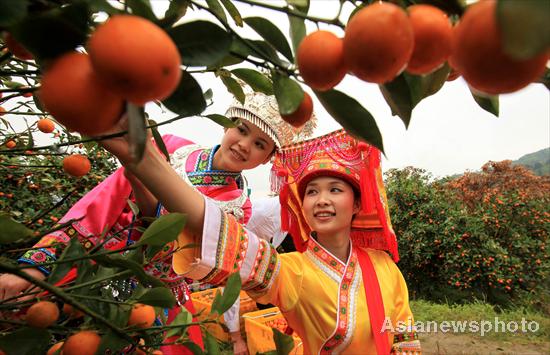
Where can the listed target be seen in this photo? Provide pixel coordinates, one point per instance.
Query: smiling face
(243, 147)
(329, 205)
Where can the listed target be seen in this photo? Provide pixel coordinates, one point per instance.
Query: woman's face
(243, 147)
(329, 205)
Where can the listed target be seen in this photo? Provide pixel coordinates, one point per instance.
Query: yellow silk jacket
(322, 298)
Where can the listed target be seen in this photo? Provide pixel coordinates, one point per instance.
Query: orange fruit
(74, 95)
(84, 342)
(142, 316)
(2, 110)
(302, 114)
(42, 314)
(71, 311)
(10, 144)
(479, 57)
(433, 34)
(15, 48)
(378, 42)
(137, 59)
(76, 165)
(45, 125)
(320, 59)
(54, 348)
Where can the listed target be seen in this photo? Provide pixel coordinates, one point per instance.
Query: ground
(451, 344)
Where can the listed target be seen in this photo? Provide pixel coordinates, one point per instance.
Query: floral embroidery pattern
(203, 175)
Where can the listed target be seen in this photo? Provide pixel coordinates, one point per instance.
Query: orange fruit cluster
(130, 58)
(382, 40)
(479, 56)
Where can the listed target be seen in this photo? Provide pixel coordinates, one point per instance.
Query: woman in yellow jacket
(341, 291)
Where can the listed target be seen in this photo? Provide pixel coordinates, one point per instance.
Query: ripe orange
(42, 314)
(320, 59)
(54, 348)
(15, 48)
(137, 59)
(10, 144)
(142, 316)
(45, 125)
(74, 95)
(76, 165)
(71, 311)
(302, 114)
(479, 57)
(378, 42)
(84, 342)
(432, 38)
(2, 110)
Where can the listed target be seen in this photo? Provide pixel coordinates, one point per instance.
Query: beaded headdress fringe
(359, 163)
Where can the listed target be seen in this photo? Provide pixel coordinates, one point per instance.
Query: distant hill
(538, 162)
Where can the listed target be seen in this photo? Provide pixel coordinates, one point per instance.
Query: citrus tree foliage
(36, 191)
(483, 235)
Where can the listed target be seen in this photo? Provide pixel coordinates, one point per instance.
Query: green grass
(425, 311)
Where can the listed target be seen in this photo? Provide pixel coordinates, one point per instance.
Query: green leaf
(303, 5)
(488, 103)
(433, 82)
(353, 117)
(158, 297)
(158, 140)
(112, 343)
(135, 268)
(201, 43)
(103, 6)
(211, 345)
(164, 230)
(223, 301)
(175, 11)
(142, 8)
(284, 343)
(137, 134)
(271, 34)
(217, 9)
(222, 120)
(399, 97)
(195, 349)
(183, 318)
(297, 31)
(233, 87)
(12, 231)
(289, 93)
(525, 27)
(233, 12)
(25, 341)
(187, 100)
(256, 80)
(208, 94)
(73, 250)
(12, 11)
(49, 34)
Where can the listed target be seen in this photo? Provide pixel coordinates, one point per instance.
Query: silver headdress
(262, 110)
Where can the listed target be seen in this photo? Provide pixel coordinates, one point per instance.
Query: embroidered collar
(327, 262)
(204, 175)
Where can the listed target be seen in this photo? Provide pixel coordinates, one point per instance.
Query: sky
(448, 134)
